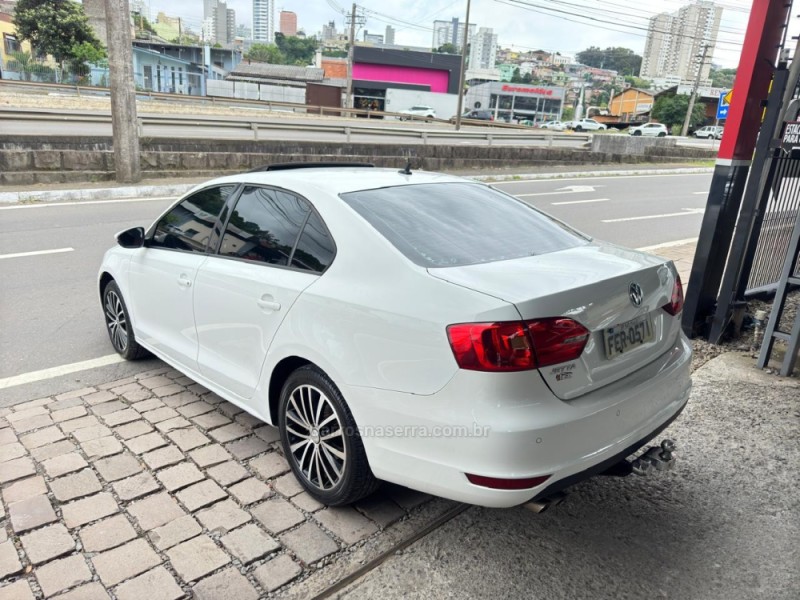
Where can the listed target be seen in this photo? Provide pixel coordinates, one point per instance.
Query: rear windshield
(456, 224)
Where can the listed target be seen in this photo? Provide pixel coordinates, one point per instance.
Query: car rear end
(594, 365)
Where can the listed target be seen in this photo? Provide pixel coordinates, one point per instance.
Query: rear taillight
(675, 304)
(516, 345)
(491, 346)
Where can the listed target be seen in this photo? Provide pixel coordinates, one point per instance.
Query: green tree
(567, 113)
(516, 77)
(447, 49)
(54, 27)
(620, 59)
(671, 110)
(296, 51)
(268, 53)
(143, 27)
(23, 63)
(722, 78)
(637, 82)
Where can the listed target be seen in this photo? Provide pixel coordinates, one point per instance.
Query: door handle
(267, 302)
(184, 281)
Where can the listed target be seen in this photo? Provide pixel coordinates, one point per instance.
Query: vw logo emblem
(635, 294)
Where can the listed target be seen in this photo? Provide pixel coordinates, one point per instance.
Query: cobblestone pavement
(153, 487)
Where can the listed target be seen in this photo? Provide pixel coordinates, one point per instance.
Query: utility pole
(687, 120)
(349, 97)
(123, 95)
(462, 76)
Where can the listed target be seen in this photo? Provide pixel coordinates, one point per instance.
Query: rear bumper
(509, 425)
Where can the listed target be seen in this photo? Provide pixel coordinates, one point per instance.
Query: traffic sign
(724, 104)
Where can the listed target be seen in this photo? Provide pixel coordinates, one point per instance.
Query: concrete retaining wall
(631, 144)
(40, 159)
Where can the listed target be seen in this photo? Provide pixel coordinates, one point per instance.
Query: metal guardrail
(259, 125)
(267, 104)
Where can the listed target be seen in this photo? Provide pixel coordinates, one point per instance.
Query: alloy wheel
(115, 321)
(316, 437)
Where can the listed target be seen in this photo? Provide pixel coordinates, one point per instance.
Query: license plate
(627, 336)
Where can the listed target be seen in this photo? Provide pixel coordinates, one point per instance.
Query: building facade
(676, 42)
(376, 70)
(451, 32)
(517, 101)
(264, 21)
(388, 38)
(483, 50)
(288, 23)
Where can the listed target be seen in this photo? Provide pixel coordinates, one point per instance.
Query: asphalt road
(51, 315)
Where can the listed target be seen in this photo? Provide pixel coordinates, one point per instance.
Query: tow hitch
(660, 458)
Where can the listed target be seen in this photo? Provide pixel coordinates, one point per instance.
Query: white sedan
(408, 327)
(427, 112)
(649, 129)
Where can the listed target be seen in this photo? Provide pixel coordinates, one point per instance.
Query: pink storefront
(377, 69)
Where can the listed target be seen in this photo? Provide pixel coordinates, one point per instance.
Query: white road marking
(34, 376)
(667, 245)
(687, 211)
(545, 194)
(36, 253)
(85, 202)
(577, 188)
(590, 178)
(579, 201)
(703, 193)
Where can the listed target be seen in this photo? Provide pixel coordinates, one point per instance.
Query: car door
(273, 247)
(162, 274)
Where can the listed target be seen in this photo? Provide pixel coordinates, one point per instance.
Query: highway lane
(50, 313)
(632, 211)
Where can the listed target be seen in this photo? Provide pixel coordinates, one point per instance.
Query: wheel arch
(280, 373)
(105, 279)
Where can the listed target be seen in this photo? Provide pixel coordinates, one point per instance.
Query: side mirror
(131, 238)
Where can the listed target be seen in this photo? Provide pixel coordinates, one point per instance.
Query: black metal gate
(774, 225)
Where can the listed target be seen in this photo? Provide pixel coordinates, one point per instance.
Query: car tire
(578, 128)
(118, 324)
(314, 460)
(637, 133)
(662, 134)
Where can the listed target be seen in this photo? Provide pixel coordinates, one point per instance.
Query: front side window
(264, 226)
(189, 225)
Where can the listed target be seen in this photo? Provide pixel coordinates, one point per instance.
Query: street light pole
(687, 120)
(462, 75)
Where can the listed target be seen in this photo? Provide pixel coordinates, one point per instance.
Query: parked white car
(554, 125)
(419, 111)
(586, 125)
(410, 327)
(710, 131)
(649, 129)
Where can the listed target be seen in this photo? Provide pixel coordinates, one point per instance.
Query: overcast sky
(582, 23)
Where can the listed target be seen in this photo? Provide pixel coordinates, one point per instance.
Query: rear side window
(264, 226)
(456, 224)
(315, 249)
(188, 226)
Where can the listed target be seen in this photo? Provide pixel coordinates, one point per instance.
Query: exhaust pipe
(543, 504)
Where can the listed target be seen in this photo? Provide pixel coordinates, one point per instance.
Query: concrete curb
(78, 195)
(151, 191)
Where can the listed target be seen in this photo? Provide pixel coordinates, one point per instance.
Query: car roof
(336, 180)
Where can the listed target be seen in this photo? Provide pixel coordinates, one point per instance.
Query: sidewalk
(681, 253)
(153, 487)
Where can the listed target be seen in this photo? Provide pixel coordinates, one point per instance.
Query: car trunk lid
(592, 285)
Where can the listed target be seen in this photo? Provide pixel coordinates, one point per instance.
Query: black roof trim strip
(317, 165)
